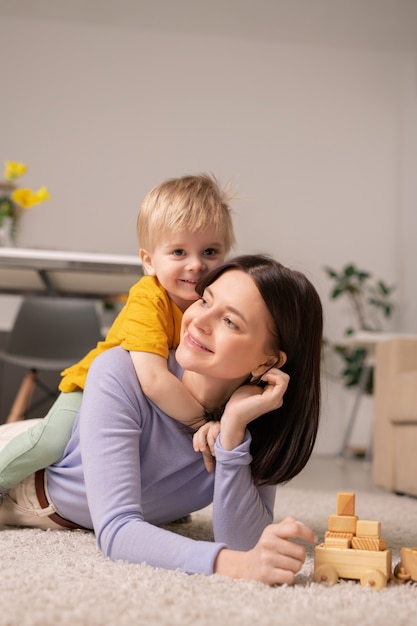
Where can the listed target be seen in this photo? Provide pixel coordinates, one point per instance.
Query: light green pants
(42, 444)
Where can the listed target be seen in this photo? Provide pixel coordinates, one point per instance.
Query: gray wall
(310, 107)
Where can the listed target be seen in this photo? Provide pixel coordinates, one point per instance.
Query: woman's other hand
(276, 558)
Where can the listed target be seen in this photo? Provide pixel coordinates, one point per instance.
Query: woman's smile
(188, 338)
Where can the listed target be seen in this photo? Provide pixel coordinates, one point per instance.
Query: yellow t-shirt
(149, 322)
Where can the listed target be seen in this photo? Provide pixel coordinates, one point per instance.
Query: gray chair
(49, 334)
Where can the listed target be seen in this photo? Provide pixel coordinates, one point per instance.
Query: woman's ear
(282, 359)
(146, 259)
(272, 361)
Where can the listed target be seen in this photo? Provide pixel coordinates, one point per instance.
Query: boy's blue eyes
(207, 252)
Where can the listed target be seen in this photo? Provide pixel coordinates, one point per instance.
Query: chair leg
(23, 398)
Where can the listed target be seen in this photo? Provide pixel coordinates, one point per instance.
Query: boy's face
(181, 259)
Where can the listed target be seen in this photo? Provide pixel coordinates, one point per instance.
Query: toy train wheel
(374, 578)
(326, 574)
(400, 574)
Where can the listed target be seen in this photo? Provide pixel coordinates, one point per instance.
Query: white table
(24, 270)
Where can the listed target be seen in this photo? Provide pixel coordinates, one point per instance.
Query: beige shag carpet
(56, 578)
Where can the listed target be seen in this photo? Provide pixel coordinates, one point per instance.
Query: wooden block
(330, 534)
(368, 543)
(342, 523)
(338, 542)
(345, 504)
(368, 528)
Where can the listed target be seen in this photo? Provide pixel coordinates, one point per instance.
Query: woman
(129, 467)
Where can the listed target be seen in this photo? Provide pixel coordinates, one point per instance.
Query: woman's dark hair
(283, 439)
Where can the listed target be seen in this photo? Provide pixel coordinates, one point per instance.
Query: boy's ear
(146, 259)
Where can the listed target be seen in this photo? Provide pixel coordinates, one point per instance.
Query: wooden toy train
(354, 549)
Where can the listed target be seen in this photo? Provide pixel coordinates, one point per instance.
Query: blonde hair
(187, 203)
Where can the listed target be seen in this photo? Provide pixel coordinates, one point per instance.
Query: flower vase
(6, 233)
(7, 215)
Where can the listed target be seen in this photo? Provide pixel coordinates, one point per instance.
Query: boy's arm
(165, 390)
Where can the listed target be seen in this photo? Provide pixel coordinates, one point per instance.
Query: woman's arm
(261, 551)
(275, 558)
(241, 509)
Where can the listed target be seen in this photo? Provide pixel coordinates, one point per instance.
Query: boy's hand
(203, 441)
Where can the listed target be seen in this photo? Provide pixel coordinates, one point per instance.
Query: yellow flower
(42, 194)
(14, 170)
(26, 198)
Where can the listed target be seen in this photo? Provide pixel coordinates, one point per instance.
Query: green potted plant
(371, 303)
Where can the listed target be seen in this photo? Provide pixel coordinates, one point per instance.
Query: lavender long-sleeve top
(130, 467)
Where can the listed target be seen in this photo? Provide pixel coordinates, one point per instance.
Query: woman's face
(227, 332)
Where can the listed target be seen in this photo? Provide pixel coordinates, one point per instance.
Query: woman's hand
(275, 559)
(203, 441)
(250, 402)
